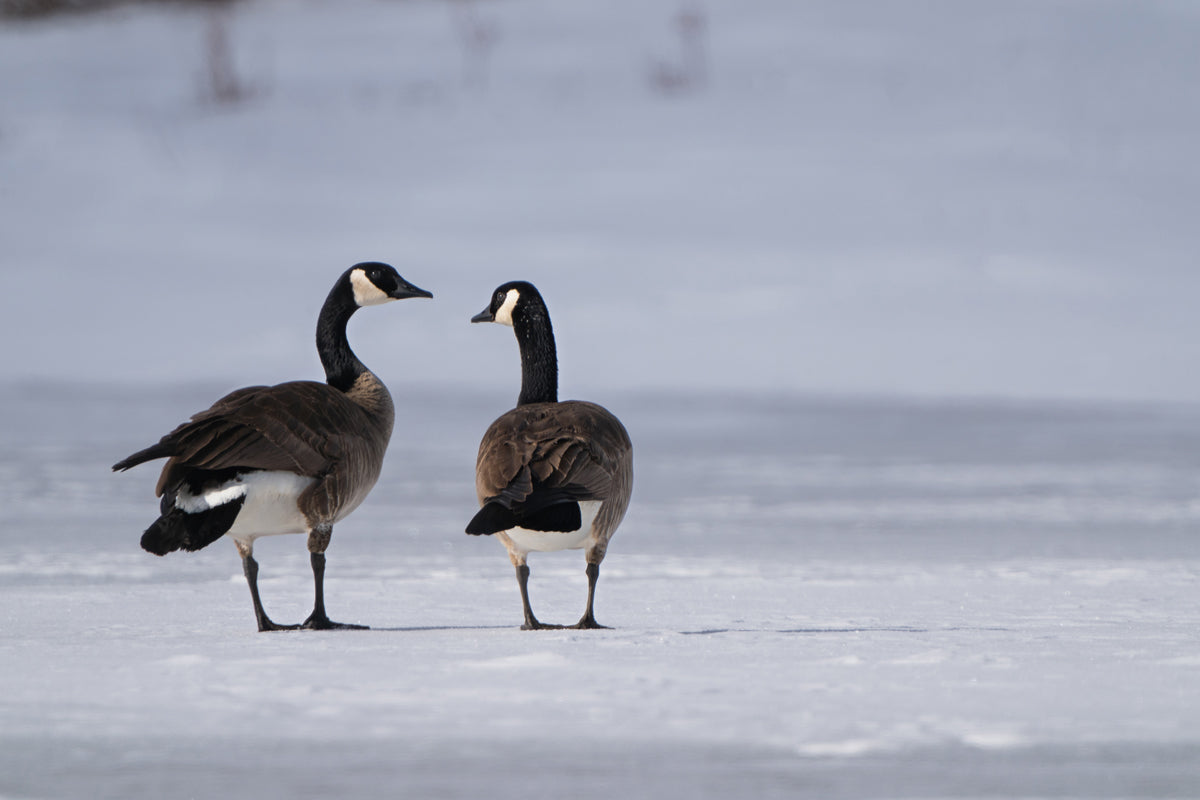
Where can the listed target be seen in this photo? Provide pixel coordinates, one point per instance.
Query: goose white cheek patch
(365, 292)
(504, 312)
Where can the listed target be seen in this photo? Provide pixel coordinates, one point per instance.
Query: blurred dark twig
(223, 85)
(477, 37)
(690, 72)
(39, 9)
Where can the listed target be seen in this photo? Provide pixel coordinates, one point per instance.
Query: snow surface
(817, 592)
(809, 597)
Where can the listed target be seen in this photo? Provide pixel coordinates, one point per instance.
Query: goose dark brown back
(575, 445)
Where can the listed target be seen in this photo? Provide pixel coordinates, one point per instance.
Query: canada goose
(292, 458)
(549, 475)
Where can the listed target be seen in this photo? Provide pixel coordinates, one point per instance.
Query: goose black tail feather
(495, 517)
(178, 530)
(152, 452)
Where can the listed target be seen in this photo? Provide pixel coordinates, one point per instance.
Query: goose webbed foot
(318, 620)
(324, 623)
(250, 567)
(532, 624)
(588, 620)
(265, 625)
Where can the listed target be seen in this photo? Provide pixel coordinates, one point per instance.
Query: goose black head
(373, 282)
(509, 298)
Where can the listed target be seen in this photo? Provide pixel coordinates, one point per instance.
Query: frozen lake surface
(810, 597)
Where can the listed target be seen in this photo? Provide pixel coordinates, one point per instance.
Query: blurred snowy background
(933, 197)
(894, 298)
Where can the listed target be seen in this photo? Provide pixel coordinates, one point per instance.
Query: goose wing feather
(573, 450)
(300, 427)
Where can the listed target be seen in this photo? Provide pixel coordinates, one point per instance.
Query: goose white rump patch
(196, 503)
(269, 508)
(549, 541)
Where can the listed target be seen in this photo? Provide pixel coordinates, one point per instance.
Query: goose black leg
(250, 567)
(317, 620)
(531, 623)
(588, 620)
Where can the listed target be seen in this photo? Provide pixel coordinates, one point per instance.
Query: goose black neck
(342, 367)
(539, 360)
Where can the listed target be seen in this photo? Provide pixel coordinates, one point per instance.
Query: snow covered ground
(843, 574)
(826, 598)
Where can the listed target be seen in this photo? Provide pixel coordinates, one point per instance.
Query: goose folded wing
(294, 427)
(539, 472)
